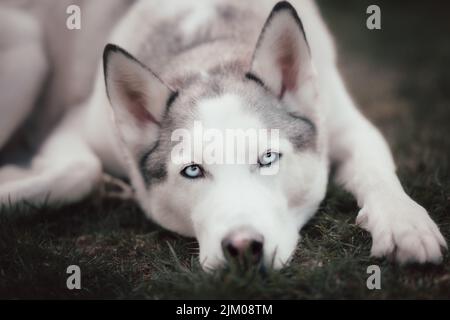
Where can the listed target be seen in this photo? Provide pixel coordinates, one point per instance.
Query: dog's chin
(213, 266)
(272, 261)
(210, 266)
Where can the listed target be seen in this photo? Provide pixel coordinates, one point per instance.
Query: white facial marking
(235, 196)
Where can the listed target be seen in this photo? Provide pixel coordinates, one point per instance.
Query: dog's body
(204, 67)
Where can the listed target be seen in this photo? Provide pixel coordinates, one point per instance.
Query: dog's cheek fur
(304, 178)
(170, 205)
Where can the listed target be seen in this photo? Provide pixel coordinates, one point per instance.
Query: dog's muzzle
(244, 246)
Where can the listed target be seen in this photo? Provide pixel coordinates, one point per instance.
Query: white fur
(69, 165)
(64, 171)
(23, 64)
(397, 223)
(237, 197)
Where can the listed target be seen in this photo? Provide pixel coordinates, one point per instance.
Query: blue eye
(193, 171)
(268, 158)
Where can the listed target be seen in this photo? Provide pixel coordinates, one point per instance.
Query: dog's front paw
(403, 230)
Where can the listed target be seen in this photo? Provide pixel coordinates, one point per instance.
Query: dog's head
(234, 159)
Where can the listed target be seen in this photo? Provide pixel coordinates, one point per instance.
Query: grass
(399, 77)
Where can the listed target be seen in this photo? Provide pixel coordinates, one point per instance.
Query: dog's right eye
(193, 171)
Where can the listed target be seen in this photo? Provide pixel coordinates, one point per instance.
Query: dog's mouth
(244, 266)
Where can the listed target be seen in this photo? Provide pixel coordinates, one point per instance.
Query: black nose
(243, 245)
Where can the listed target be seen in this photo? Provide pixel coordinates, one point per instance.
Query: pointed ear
(282, 58)
(138, 97)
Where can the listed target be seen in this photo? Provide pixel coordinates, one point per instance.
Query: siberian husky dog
(169, 65)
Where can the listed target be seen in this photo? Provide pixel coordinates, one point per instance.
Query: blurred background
(399, 75)
(400, 78)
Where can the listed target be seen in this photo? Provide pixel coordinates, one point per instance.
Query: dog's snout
(243, 244)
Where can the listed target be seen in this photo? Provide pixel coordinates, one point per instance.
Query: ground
(398, 75)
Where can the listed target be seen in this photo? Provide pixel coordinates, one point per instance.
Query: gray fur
(167, 52)
(299, 130)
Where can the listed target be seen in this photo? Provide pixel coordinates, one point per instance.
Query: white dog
(227, 64)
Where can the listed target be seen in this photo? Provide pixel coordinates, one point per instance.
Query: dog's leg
(23, 67)
(399, 226)
(64, 171)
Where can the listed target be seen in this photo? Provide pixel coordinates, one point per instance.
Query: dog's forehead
(248, 105)
(238, 103)
(225, 103)
(228, 111)
(206, 95)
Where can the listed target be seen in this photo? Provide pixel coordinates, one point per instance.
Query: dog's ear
(282, 58)
(138, 97)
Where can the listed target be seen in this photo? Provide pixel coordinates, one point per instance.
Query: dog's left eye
(268, 158)
(193, 171)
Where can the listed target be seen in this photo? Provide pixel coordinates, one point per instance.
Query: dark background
(399, 77)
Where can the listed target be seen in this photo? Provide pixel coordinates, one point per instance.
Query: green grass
(122, 255)
(400, 78)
